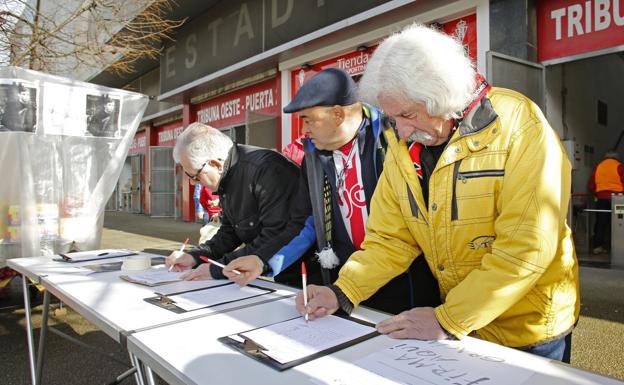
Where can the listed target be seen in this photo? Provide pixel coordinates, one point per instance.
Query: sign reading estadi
(568, 28)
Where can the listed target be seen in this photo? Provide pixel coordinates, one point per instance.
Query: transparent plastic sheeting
(62, 147)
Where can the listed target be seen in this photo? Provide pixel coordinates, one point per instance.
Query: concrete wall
(513, 29)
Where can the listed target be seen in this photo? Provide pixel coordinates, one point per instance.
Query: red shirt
(205, 195)
(351, 195)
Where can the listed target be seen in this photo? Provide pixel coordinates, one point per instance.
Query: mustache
(419, 137)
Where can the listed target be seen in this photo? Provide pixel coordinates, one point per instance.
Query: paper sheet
(96, 254)
(450, 363)
(154, 276)
(174, 288)
(295, 339)
(194, 300)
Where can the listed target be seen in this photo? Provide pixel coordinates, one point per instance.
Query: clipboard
(116, 266)
(166, 302)
(254, 350)
(93, 255)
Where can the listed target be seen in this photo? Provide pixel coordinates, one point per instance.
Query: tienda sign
(570, 29)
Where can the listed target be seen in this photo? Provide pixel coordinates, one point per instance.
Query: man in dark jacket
(344, 154)
(254, 186)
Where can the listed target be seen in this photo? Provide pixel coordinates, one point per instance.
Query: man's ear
(217, 163)
(338, 114)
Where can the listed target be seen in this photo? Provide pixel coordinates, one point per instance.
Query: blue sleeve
(294, 250)
(196, 194)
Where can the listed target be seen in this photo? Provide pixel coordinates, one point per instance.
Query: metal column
(617, 230)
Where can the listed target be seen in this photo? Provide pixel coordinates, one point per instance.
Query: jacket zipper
(468, 175)
(479, 174)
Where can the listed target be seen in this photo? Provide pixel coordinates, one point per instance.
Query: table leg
(139, 375)
(42, 335)
(149, 375)
(29, 330)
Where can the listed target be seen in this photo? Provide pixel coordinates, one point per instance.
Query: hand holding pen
(316, 301)
(179, 259)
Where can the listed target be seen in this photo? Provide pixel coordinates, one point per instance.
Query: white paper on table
(185, 286)
(451, 362)
(211, 296)
(154, 276)
(295, 339)
(91, 255)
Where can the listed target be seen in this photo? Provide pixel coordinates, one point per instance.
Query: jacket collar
(230, 163)
(474, 133)
(478, 118)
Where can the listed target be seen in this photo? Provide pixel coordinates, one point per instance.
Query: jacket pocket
(474, 194)
(247, 229)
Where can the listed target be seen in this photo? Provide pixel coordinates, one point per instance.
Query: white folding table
(115, 306)
(188, 353)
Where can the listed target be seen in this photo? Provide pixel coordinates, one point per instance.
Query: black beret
(329, 87)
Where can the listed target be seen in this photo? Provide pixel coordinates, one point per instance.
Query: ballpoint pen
(206, 259)
(304, 282)
(181, 250)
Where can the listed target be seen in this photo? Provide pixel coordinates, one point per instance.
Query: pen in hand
(206, 259)
(181, 250)
(304, 282)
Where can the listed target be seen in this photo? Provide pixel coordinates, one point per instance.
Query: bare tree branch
(62, 37)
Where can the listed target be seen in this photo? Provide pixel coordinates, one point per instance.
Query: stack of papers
(154, 277)
(296, 339)
(217, 295)
(116, 266)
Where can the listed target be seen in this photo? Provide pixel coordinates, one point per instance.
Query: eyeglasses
(195, 177)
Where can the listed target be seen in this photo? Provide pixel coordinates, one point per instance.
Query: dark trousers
(559, 349)
(602, 228)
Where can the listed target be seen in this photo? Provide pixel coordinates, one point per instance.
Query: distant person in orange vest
(607, 178)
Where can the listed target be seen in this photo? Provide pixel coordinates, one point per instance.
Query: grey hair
(200, 143)
(421, 65)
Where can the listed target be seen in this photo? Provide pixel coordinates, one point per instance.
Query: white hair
(200, 143)
(421, 65)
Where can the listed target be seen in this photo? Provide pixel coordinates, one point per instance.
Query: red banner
(168, 133)
(464, 29)
(231, 108)
(568, 28)
(139, 144)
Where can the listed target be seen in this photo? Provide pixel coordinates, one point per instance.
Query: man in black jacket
(254, 186)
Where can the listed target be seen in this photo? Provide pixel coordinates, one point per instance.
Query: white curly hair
(421, 65)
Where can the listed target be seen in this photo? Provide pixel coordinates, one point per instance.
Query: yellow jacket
(494, 234)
